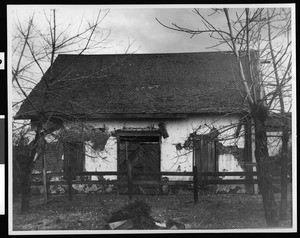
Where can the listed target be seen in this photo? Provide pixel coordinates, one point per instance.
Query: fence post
(69, 177)
(249, 181)
(196, 184)
(129, 174)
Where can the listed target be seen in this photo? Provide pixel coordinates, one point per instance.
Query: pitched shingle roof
(204, 82)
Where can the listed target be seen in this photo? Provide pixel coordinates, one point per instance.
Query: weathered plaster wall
(178, 130)
(228, 162)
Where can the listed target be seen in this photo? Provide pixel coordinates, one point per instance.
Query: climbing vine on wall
(78, 133)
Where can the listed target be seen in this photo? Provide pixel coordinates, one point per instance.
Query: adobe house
(151, 107)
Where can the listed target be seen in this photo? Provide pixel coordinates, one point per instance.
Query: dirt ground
(90, 211)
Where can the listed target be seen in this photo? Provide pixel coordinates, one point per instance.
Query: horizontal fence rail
(215, 178)
(105, 173)
(198, 179)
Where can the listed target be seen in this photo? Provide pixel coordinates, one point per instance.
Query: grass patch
(92, 212)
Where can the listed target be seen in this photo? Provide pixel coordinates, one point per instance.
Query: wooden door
(144, 158)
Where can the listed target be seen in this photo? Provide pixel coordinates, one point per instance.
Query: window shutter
(206, 156)
(74, 157)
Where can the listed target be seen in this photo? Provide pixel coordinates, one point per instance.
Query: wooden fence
(199, 179)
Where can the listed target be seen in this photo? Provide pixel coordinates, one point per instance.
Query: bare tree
(248, 35)
(281, 64)
(36, 49)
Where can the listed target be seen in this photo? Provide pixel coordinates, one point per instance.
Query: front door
(144, 156)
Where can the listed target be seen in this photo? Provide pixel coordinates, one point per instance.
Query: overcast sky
(137, 24)
(151, 37)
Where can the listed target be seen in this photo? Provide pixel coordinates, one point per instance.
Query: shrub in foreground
(138, 211)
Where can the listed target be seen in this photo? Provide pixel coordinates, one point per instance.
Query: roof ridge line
(167, 53)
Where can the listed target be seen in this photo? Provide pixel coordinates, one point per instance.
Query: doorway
(143, 154)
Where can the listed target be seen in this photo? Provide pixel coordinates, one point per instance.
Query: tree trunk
(284, 181)
(26, 184)
(25, 164)
(25, 160)
(264, 175)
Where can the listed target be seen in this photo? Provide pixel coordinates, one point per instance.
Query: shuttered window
(74, 157)
(206, 156)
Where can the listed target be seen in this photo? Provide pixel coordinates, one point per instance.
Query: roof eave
(149, 115)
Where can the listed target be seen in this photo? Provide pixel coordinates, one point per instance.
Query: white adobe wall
(178, 130)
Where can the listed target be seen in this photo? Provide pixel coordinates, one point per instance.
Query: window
(74, 157)
(206, 155)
